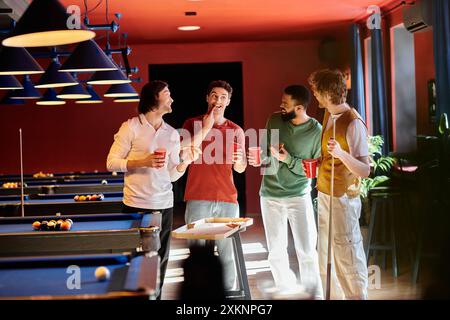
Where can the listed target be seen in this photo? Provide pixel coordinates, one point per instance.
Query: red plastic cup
(311, 167)
(255, 152)
(161, 152)
(236, 147)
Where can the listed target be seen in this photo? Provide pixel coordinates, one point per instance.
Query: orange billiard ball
(36, 225)
(102, 273)
(65, 226)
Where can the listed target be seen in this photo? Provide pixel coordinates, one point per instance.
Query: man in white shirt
(149, 176)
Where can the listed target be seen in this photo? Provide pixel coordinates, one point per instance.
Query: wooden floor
(259, 275)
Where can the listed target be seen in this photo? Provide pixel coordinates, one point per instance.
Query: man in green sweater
(285, 191)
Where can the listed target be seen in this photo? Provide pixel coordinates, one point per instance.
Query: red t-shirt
(210, 177)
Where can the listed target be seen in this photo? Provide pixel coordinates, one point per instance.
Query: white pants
(199, 209)
(349, 267)
(299, 212)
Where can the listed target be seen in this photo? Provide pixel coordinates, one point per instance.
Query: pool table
(64, 175)
(78, 187)
(72, 182)
(50, 204)
(96, 233)
(52, 277)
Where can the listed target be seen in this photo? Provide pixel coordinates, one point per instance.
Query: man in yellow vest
(351, 163)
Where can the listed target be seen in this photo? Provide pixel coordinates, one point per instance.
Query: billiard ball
(88, 198)
(76, 198)
(60, 221)
(102, 273)
(70, 221)
(36, 225)
(54, 221)
(114, 173)
(94, 197)
(101, 196)
(58, 225)
(51, 225)
(44, 225)
(82, 198)
(65, 226)
(104, 182)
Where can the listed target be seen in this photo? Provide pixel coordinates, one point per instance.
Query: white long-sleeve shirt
(147, 188)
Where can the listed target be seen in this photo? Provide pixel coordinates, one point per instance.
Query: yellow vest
(345, 182)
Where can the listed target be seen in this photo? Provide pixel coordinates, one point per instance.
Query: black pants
(164, 237)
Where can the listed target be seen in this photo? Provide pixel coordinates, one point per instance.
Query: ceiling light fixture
(28, 91)
(108, 77)
(121, 90)
(16, 61)
(45, 23)
(127, 99)
(50, 99)
(7, 99)
(74, 92)
(188, 28)
(88, 57)
(95, 98)
(52, 78)
(9, 82)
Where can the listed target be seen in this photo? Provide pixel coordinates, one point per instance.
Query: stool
(382, 217)
(428, 217)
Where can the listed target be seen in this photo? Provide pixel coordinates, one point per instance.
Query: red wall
(424, 65)
(78, 137)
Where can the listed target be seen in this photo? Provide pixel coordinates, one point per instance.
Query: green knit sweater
(287, 179)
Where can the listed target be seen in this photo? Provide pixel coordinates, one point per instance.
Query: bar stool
(428, 219)
(382, 218)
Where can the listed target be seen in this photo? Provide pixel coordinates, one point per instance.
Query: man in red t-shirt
(210, 190)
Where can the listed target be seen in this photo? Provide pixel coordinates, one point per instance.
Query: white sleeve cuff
(175, 174)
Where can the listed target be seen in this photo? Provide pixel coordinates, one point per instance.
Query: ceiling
(156, 21)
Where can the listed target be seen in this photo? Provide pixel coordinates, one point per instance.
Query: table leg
(240, 266)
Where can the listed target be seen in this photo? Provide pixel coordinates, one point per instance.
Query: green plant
(381, 165)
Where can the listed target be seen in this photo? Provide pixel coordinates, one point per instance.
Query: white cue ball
(102, 273)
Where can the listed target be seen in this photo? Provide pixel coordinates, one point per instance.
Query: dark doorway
(188, 84)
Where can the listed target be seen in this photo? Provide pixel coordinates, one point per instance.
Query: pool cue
(21, 175)
(330, 221)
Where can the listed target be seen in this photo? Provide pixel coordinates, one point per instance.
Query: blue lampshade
(50, 99)
(74, 92)
(52, 78)
(9, 82)
(7, 99)
(127, 99)
(121, 90)
(15, 61)
(88, 57)
(46, 23)
(95, 98)
(28, 91)
(108, 77)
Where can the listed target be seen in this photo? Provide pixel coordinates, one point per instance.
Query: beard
(288, 116)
